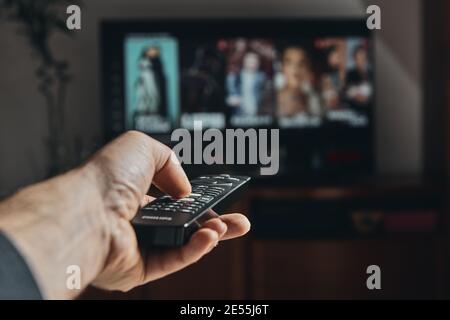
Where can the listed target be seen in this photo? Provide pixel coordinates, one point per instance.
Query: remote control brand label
(157, 218)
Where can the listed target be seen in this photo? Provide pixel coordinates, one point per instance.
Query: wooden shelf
(319, 268)
(385, 187)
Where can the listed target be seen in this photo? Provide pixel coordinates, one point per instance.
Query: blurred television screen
(246, 81)
(312, 79)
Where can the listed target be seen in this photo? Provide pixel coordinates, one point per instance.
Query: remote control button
(211, 194)
(187, 211)
(228, 180)
(206, 182)
(205, 199)
(195, 195)
(186, 204)
(202, 181)
(224, 185)
(215, 195)
(187, 200)
(225, 175)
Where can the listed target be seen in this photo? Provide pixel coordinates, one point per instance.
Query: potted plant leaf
(37, 21)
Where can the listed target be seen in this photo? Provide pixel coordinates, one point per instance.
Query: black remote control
(168, 222)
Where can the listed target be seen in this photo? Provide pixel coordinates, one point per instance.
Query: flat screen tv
(313, 80)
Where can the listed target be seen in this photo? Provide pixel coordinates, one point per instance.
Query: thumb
(130, 163)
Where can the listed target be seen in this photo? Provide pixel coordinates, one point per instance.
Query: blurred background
(362, 115)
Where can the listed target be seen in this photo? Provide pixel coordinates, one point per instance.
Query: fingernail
(174, 159)
(223, 230)
(215, 244)
(213, 247)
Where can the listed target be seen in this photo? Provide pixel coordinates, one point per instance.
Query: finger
(208, 215)
(217, 225)
(201, 242)
(167, 173)
(146, 200)
(132, 161)
(237, 225)
(172, 179)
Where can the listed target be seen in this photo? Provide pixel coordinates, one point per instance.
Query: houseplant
(37, 21)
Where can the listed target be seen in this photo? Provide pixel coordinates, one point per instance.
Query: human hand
(129, 165)
(82, 218)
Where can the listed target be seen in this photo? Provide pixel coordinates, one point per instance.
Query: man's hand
(129, 165)
(83, 218)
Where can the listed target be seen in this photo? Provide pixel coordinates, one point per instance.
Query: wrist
(57, 224)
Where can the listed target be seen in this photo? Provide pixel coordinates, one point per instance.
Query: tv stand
(276, 261)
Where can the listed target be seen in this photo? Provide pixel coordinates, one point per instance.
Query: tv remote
(168, 222)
